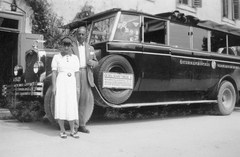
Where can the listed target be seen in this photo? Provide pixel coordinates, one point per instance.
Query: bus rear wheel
(226, 98)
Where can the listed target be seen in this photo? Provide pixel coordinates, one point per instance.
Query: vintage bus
(149, 60)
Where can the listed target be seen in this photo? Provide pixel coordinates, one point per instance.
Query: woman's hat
(67, 40)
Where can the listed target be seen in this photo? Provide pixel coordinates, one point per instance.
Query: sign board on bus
(117, 80)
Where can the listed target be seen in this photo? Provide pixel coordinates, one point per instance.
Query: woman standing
(65, 72)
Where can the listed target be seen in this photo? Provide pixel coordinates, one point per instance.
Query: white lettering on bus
(197, 63)
(227, 66)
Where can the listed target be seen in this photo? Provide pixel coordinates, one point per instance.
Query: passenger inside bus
(231, 51)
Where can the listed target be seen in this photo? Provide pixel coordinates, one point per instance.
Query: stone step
(5, 113)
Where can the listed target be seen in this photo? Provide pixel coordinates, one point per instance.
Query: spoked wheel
(49, 106)
(226, 98)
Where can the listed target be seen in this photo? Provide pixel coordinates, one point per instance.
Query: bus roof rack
(219, 27)
(173, 16)
(191, 20)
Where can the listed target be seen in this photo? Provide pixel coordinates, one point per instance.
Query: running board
(162, 103)
(153, 103)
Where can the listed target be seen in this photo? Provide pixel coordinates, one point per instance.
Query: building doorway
(8, 56)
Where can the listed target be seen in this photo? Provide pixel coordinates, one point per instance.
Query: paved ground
(176, 136)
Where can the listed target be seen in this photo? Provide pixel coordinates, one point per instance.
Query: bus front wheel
(226, 98)
(49, 106)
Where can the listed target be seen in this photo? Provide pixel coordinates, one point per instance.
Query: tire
(226, 98)
(113, 63)
(49, 106)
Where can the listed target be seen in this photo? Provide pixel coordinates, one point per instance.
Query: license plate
(16, 79)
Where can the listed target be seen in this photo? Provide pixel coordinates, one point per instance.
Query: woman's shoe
(63, 135)
(74, 135)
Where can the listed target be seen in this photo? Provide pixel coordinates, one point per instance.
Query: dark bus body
(174, 61)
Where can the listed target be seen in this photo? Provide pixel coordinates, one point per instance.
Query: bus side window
(179, 36)
(218, 40)
(200, 39)
(154, 31)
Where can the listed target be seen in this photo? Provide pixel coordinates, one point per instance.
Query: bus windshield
(102, 30)
(128, 28)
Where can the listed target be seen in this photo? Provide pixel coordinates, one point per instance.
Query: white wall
(68, 8)
(211, 10)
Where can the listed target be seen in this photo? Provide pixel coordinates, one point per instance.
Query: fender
(230, 79)
(47, 83)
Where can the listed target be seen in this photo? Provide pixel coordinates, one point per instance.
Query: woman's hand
(78, 90)
(78, 94)
(54, 76)
(54, 90)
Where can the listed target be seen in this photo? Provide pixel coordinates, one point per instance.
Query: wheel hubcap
(227, 98)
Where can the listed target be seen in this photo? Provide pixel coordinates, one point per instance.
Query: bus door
(190, 61)
(182, 71)
(190, 70)
(203, 71)
(181, 57)
(156, 59)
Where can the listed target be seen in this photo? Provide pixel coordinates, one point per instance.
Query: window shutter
(197, 3)
(236, 9)
(225, 8)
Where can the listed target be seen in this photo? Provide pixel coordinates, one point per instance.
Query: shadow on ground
(173, 111)
(112, 115)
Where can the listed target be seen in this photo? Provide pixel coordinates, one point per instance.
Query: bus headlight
(18, 70)
(38, 67)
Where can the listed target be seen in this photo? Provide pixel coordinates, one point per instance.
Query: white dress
(66, 106)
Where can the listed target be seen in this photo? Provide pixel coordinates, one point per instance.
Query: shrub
(26, 110)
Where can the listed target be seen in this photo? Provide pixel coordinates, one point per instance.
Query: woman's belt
(69, 74)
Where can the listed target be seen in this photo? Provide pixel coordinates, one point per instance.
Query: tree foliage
(85, 11)
(45, 22)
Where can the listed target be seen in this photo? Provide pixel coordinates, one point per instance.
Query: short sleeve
(54, 63)
(76, 63)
